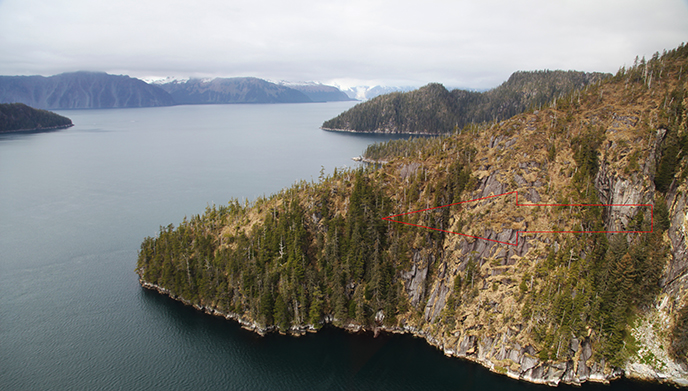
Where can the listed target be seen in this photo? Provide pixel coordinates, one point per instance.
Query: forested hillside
(434, 110)
(18, 116)
(574, 286)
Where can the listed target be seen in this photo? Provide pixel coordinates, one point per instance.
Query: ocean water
(75, 205)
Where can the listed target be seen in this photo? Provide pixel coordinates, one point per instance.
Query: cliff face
(81, 90)
(583, 277)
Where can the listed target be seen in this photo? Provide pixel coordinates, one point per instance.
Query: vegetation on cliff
(434, 110)
(554, 306)
(18, 116)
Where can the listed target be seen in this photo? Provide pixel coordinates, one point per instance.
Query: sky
(468, 44)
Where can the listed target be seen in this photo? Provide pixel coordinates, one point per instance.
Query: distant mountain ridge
(88, 90)
(232, 90)
(433, 109)
(319, 92)
(81, 90)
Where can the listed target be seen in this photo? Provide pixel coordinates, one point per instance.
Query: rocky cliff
(549, 247)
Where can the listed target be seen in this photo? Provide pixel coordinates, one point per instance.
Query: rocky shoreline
(386, 131)
(366, 160)
(488, 352)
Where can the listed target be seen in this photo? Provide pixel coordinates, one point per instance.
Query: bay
(75, 205)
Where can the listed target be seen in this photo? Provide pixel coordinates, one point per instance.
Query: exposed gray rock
(414, 279)
(678, 215)
(533, 196)
(408, 170)
(510, 143)
(436, 302)
(467, 346)
(528, 363)
(491, 186)
(520, 180)
(618, 192)
(485, 348)
(586, 352)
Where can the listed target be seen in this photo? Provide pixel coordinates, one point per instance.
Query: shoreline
(361, 159)
(543, 373)
(37, 129)
(382, 132)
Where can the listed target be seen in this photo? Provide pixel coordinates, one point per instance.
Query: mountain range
(248, 90)
(319, 92)
(82, 90)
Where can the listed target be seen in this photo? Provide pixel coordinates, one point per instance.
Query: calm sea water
(75, 205)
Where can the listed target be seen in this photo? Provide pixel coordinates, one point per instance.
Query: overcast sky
(472, 44)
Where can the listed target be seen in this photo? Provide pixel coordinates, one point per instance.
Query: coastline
(37, 129)
(366, 160)
(381, 132)
(532, 370)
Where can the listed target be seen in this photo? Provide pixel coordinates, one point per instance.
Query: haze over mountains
(82, 90)
(370, 92)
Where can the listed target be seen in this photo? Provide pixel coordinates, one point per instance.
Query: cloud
(459, 43)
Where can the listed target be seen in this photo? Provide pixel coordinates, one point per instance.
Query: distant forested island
(18, 117)
(435, 110)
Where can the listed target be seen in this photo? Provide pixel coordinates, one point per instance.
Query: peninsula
(17, 117)
(577, 286)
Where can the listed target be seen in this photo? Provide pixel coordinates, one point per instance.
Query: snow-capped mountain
(370, 92)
